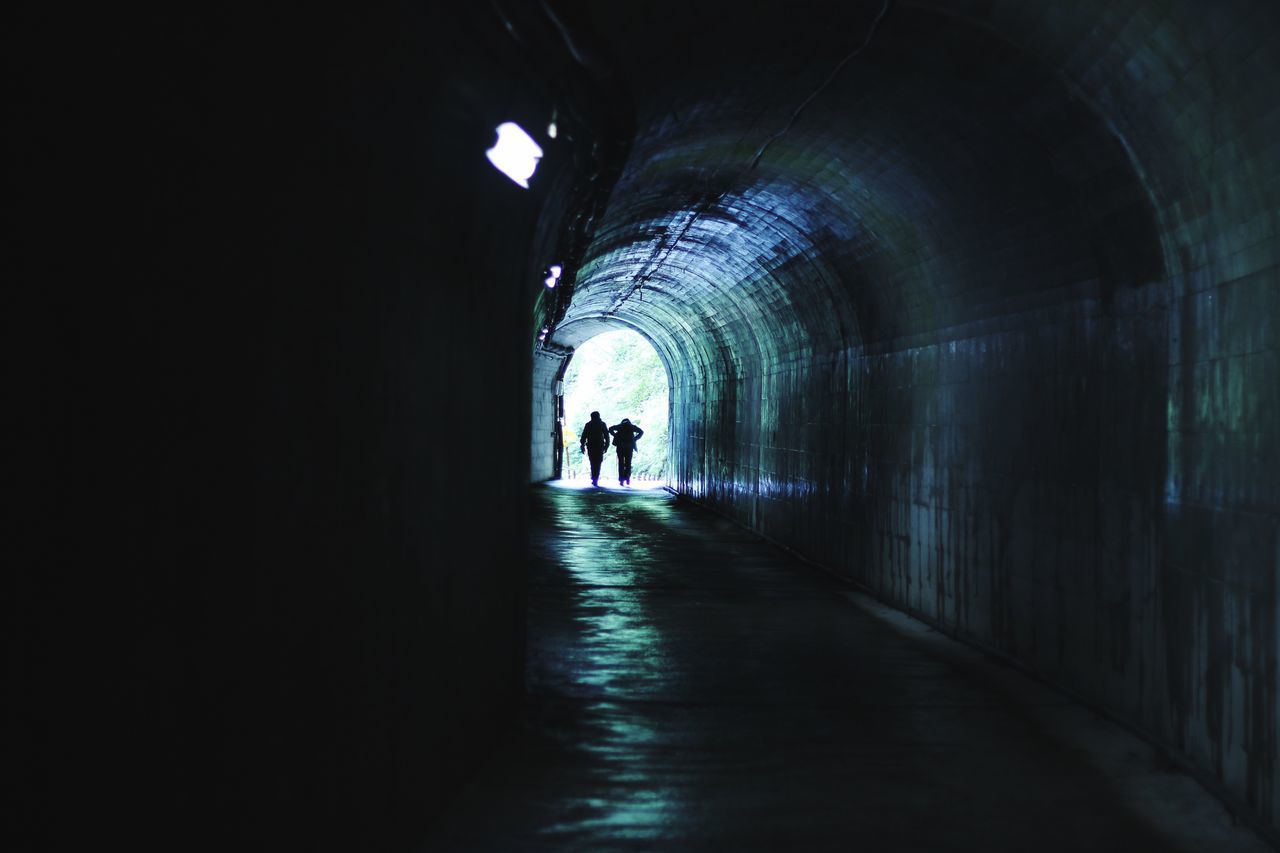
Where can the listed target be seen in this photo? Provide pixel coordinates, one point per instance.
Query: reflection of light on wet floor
(629, 803)
(645, 816)
(690, 688)
(610, 485)
(619, 647)
(623, 650)
(620, 656)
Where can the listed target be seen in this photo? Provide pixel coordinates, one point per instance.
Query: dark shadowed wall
(268, 343)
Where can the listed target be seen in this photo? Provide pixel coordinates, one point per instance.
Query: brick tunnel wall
(545, 411)
(992, 329)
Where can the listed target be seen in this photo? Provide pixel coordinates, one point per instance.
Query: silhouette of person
(594, 442)
(625, 435)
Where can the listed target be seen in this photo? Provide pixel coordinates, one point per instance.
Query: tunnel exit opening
(620, 375)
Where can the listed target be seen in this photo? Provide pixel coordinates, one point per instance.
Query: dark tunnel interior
(974, 303)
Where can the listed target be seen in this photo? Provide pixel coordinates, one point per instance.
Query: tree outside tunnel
(620, 375)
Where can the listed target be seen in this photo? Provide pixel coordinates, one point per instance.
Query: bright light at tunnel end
(515, 154)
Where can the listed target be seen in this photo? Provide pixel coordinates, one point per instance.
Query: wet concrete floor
(691, 687)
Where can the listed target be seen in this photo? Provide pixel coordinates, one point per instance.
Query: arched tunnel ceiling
(982, 316)
(806, 178)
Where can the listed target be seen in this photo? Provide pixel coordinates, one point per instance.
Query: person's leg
(596, 459)
(624, 467)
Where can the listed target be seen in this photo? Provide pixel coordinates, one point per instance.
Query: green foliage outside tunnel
(619, 375)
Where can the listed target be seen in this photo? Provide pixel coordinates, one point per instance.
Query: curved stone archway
(974, 303)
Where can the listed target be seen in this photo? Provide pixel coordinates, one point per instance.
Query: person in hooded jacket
(625, 435)
(594, 442)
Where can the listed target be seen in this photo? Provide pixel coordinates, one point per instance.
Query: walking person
(594, 442)
(625, 435)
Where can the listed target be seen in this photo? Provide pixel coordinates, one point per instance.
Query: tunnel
(968, 306)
